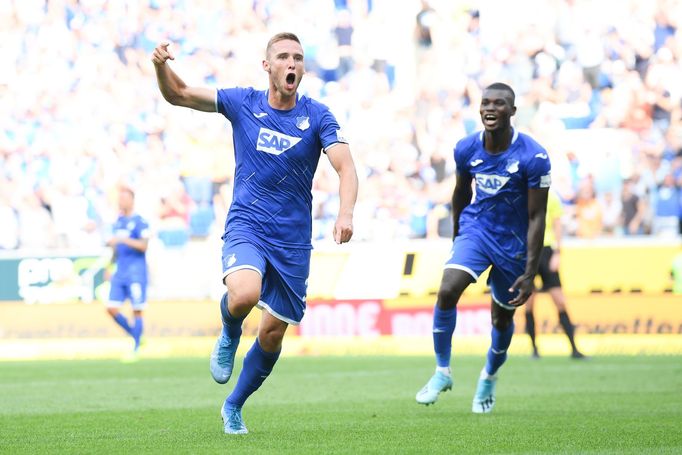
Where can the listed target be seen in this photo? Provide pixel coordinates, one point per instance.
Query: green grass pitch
(352, 405)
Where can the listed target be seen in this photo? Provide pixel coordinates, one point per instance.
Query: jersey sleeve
(462, 153)
(141, 229)
(229, 100)
(330, 131)
(539, 169)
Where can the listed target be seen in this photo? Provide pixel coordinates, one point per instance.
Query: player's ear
(513, 110)
(266, 66)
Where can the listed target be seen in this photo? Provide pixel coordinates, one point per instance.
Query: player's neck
(497, 141)
(281, 102)
(127, 212)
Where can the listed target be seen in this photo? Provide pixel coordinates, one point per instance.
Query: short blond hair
(281, 37)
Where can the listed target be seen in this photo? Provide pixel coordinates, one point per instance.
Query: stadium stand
(601, 86)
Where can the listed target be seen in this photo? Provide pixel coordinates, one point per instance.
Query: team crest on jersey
(490, 184)
(302, 123)
(513, 166)
(274, 142)
(231, 259)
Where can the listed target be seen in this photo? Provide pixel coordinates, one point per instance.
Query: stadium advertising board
(50, 279)
(375, 318)
(600, 314)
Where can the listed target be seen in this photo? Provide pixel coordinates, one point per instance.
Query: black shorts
(549, 278)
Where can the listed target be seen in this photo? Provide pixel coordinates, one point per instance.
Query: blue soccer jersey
(276, 155)
(131, 264)
(500, 206)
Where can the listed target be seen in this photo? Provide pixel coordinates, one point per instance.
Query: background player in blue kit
(502, 227)
(278, 138)
(129, 282)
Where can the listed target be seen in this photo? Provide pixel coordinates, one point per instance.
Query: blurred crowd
(599, 85)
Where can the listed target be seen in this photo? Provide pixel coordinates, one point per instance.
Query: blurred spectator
(36, 228)
(666, 208)
(403, 78)
(175, 208)
(612, 209)
(634, 209)
(425, 21)
(588, 212)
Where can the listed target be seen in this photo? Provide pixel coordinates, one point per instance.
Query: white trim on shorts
(463, 268)
(503, 305)
(241, 267)
(114, 304)
(264, 306)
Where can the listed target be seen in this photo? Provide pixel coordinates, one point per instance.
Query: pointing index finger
(164, 46)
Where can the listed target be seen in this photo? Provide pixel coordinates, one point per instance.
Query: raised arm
(537, 211)
(174, 90)
(342, 161)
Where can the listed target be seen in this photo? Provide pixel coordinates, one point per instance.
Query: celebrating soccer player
(278, 138)
(502, 227)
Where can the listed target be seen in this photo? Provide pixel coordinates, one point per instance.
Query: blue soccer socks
(444, 322)
(123, 322)
(257, 367)
(497, 354)
(137, 329)
(232, 326)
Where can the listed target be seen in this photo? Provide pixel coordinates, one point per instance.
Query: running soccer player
(502, 227)
(129, 281)
(278, 138)
(551, 281)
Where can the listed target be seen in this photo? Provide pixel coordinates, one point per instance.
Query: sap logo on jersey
(274, 142)
(490, 184)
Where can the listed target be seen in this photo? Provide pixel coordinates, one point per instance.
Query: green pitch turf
(343, 405)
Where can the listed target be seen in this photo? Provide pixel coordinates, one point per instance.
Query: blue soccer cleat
(439, 382)
(232, 419)
(484, 399)
(222, 358)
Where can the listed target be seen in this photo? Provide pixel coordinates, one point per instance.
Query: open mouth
(291, 78)
(489, 119)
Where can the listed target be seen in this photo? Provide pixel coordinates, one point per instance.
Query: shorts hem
(503, 305)
(463, 268)
(264, 306)
(241, 267)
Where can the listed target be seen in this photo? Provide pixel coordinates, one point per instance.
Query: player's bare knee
(242, 300)
(502, 318)
(271, 338)
(447, 298)
(112, 311)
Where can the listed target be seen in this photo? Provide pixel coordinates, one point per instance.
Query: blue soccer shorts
(475, 253)
(284, 272)
(121, 291)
